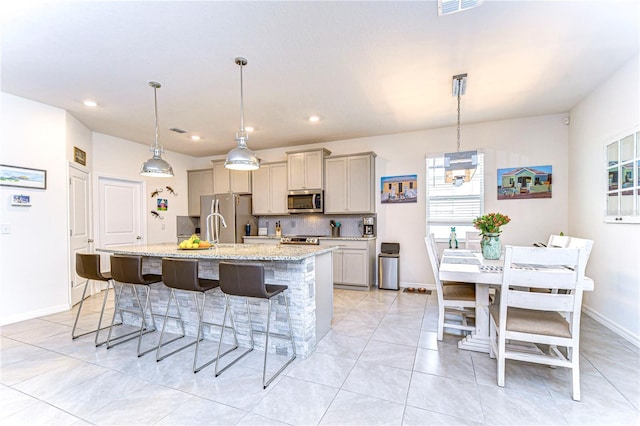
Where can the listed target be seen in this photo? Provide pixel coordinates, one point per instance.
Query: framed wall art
(399, 189)
(524, 182)
(23, 177)
(79, 156)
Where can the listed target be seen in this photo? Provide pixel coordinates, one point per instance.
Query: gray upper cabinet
(349, 184)
(306, 169)
(270, 189)
(226, 180)
(200, 182)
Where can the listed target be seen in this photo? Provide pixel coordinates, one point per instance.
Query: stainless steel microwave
(305, 201)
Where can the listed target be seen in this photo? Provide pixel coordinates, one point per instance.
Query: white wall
(34, 277)
(120, 158)
(608, 112)
(523, 142)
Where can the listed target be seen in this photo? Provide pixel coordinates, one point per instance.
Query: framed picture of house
(399, 189)
(518, 183)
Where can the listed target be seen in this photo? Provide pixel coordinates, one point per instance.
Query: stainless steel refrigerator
(236, 210)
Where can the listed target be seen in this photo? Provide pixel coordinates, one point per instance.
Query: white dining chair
(453, 297)
(539, 317)
(472, 240)
(558, 241)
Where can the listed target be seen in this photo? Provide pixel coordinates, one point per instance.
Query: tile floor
(380, 364)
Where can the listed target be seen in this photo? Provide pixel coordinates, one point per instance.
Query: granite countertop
(273, 237)
(224, 251)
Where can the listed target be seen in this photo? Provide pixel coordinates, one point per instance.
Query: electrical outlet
(5, 228)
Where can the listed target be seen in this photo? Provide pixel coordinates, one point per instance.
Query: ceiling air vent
(175, 129)
(447, 7)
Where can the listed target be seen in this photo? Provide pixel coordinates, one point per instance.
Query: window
(622, 168)
(448, 205)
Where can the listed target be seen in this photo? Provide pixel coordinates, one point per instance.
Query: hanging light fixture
(241, 157)
(460, 166)
(156, 166)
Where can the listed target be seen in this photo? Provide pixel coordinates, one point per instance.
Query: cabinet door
(313, 173)
(359, 184)
(278, 180)
(296, 171)
(354, 267)
(261, 199)
(335, 188)
(240, 181)
(200, 182)
(221, 183)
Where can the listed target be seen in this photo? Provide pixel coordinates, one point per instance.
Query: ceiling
(366, 68)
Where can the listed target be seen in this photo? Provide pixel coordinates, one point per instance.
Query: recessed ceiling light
(249, 129)
(195, 137)
(314, 119)
(90, 103)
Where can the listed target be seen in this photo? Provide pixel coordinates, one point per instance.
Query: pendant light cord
(459, 90)
(155, 100)
(241, 101)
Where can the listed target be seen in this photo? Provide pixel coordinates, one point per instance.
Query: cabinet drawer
(345, 244)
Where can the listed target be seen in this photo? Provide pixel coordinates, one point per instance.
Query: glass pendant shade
(156, 166)
(241, 157)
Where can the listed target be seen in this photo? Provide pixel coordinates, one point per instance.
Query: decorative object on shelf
(524, 182)
(453, 239)
(156, 166)
(21, 200)
(489, 226)
(23, 177)
(156, 192)
(171, 191)
(156, 215)
(79, 156)
(460, 166)
(399, 189)
(241, 157)
(163, 204)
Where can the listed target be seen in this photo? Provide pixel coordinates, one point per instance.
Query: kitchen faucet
(214, 239)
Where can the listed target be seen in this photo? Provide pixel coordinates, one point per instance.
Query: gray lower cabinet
(353, 263)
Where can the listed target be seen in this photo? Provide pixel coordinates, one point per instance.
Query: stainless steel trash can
(388, 266)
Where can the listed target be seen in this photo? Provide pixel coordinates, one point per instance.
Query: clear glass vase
(491, 246)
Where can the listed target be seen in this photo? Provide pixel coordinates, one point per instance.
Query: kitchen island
(305, 269)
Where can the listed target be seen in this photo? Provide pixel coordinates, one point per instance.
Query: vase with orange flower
(489, 226)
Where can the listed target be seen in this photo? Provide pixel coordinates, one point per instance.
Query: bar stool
(88, 266)
(247, 280)
(182, 275)
(127, 270)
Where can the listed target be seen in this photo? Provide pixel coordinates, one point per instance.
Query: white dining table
(469, 266)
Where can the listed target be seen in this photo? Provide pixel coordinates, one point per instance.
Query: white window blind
(448, 205)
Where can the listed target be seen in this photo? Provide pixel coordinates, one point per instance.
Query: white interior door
(80, 239)
(120, 217)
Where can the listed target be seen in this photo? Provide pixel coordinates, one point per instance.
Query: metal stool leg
(131, 335)
(266, 346)
(159, 358)
(197, 368)
(224, 322)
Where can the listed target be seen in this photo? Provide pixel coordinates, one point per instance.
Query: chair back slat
(541, 301)
(432, 250)
(558, 241)
(561, 278)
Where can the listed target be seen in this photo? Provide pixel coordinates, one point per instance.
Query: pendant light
(241, 157)
(459, 167)
(156, 166)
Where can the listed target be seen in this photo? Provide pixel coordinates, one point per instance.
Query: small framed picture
(79, 156)
(163, 204)
(23, 177)
(21, 200)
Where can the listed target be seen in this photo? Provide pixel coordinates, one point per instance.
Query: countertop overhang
(280, 252)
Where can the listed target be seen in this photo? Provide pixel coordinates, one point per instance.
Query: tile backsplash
(313, 224)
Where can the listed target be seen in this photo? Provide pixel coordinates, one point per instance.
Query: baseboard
(33, 314)
(613, 326)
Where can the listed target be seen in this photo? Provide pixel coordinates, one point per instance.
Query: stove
(303, 240)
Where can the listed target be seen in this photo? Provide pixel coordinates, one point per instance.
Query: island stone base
(303, 290)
